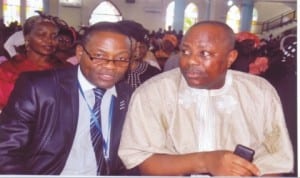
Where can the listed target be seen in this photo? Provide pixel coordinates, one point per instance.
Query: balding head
(206, 52)
(227, 35)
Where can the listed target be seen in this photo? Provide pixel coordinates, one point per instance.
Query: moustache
(196, 70)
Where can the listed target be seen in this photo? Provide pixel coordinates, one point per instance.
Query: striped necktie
(96, 131)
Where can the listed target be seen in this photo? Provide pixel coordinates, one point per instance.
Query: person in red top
(40, 33)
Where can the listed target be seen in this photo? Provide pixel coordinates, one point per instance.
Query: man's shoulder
(249, 79)
(123, 88)
(162, 80)
(246, 76)
(167, 76)
(49, 76)
(61, 71)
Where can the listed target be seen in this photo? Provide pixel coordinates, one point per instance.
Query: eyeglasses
(118, 61)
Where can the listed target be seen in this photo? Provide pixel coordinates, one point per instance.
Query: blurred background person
(139, 70)
(66, 44)
(14, 41)
(40, 34)
(168, 47)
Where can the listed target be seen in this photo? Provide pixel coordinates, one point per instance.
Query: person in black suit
(45, 127)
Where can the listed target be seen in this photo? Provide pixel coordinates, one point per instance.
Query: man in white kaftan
(180, 119)
(167, 116)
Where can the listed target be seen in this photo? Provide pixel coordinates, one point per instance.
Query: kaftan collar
(223, 101)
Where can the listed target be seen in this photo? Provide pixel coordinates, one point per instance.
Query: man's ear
(79, 52)
(232, 56)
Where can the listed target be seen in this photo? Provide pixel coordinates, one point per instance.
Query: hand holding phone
(244, 152)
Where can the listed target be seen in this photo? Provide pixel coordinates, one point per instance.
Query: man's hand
(225, 163)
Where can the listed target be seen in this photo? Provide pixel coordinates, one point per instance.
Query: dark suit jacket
(38, 125)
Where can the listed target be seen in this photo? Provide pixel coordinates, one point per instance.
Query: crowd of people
(274, 59)
(116, 99)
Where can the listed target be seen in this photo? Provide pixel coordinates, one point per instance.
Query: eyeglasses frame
(104, 59)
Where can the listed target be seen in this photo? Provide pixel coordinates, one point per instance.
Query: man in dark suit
(45, 127)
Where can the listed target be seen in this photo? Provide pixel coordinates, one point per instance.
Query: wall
(151, 13)
(147, 12)
(267, 10)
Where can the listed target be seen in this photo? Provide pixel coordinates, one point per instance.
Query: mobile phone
(244, 152)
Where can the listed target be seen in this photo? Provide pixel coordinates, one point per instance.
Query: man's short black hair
(102, 26)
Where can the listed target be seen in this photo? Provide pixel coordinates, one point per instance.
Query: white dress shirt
(81, 160)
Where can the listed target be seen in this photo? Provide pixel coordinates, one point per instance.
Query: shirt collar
(224, 101)
(87, 85)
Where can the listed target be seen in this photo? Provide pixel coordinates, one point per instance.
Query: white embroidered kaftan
(167, 116)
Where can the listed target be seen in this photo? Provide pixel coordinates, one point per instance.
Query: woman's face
(140, 51)
(42, 39)
(65, 42)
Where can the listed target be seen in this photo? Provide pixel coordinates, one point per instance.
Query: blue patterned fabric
(96, 133)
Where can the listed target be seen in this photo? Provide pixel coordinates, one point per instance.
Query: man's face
(104, 45)
(205, 57)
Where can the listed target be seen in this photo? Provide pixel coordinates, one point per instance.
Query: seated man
(55, 123)
(191, 118)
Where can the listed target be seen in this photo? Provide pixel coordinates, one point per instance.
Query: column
(246, 15)
(23, 11)
(208, 10)
(179, 15)
(46, 6)
(1, 9)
